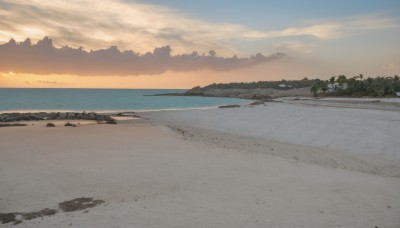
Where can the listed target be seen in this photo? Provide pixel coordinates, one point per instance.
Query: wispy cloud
(99, 24)
(46, 82)
(328, 30)
(295, 46)
(391, 66)
(44, 58)
(333, 29)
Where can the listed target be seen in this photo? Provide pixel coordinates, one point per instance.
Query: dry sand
(209, 168)
(358, 131)
(384, 104)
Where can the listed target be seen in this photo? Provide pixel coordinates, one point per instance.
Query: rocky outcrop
(229, 106)
(13, 117)
(50, 125)
(12, 125)
(111, 122)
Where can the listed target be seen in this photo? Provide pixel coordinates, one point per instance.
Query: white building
(336, 86)
(284, 86)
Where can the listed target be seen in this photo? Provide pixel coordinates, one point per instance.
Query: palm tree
(332, 81)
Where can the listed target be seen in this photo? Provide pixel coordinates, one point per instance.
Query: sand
(383, 104)
(208, 168)
(360, 131)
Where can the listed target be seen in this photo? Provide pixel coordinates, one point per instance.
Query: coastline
(288, 99)
(109, 112)
(275, 164)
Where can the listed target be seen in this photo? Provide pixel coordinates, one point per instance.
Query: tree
(212, 53)
(332, 80)
(323, 86)
(314, 89)
(341, 79)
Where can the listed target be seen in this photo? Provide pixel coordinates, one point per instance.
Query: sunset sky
(182, 44)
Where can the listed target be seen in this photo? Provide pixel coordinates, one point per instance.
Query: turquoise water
(102, 100)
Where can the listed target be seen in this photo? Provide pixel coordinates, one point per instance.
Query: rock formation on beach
(12, 117)
(50, 125)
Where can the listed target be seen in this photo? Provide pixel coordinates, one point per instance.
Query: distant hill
(356, 86)
(256, 90)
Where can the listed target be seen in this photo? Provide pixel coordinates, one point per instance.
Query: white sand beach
(272, 165)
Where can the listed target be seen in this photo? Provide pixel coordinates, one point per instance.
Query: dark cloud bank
(44, 58)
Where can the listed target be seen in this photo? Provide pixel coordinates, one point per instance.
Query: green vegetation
(356, 86)
(314, 89)
(262, 84)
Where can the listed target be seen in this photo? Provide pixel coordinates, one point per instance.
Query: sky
(182, 44)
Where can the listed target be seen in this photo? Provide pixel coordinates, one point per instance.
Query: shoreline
(112, 112)
(296, 99)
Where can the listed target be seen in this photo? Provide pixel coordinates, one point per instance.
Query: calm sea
(102, 100)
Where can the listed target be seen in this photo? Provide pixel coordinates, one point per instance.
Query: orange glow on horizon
(289, 70)
(168, 80)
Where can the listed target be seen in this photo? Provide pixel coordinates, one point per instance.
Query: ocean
(102, 100)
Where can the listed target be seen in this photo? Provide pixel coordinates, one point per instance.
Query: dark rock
(4, 117)
(63, 116)
(92, 116)
(108, 118)
(36, 117)
(257, 103)
(70, 115)
(67, 206)
(7, 217)
(11, 117)
(50, 125)
(229, 106)
(79, 204)
(12, 125)
(37, 214)
(69, 125)
(111, 122)
(52, 116)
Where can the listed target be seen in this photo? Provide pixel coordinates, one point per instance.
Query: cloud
(323, 31)
(294, 46)
(44, 58)
(391, 66)
(129, 25)
(46, 82)
(331, 29)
